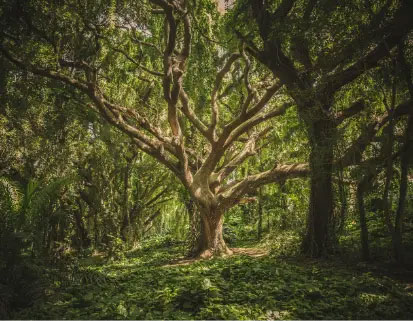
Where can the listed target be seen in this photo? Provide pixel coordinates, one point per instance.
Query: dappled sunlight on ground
(159, 283)
(252, 251)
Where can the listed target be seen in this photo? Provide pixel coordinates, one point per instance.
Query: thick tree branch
(309, 9)
(269, 93)
(193, 118)
(354, 109)
(79, 84)
(152, 217)
(403, 23)
(174, 68)
(156, 197)
(239, 126)
(283, 9)
(249, 149)
(254, 121)
(214, 104)
(232, 192)
(368, 34)
(251, 92)
(354, 153)
(112, 113)
(137, 64)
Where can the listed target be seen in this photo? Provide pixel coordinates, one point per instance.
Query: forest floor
(250, 251)
(155, 282)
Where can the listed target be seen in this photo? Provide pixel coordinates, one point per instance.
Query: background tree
(317, 50)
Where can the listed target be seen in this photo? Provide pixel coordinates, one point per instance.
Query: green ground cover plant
(156, 283)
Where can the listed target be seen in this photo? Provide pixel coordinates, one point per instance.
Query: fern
(76, 274)
(41, 209)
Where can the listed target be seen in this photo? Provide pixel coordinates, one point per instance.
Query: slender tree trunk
(91, 199)
(343, 203)
(398, 223)
(318, 240)
(283, 205)
(126, 224)
(260, 214)
(124, 227)
(363, 224)
(95, 228)
(211, 241)
(406, 158)
(82, 235)
(388, 149)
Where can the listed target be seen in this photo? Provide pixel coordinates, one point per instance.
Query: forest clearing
(202, 159)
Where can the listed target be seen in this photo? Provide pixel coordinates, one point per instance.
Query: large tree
(121, 57)
(318, 50)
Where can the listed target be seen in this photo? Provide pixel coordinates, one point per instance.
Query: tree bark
(340, 222)
(318, 238)
(126, 221)
(363, 224)
(194, 226)
(405, 161)
(400, 214)
(260, 214)
(388, 149)
(82, 235)
(284, 208)
(211, 241)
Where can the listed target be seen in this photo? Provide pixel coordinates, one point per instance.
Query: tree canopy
(124, 120)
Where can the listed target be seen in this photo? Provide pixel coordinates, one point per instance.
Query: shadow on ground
(249, 285)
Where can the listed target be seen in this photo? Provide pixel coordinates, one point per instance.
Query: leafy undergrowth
(147, 286)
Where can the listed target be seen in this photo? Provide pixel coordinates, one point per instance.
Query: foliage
(240, 287)
(97, 114)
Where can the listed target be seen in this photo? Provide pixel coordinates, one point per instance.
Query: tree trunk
(124, 228)
(318, 239)
(259, 225)
(284, 209)
(211, 241)
(363, 224)
(82, 235)
(340, 222)
(400, 214)
(95, 229)
(126, 223)
(388, 150)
